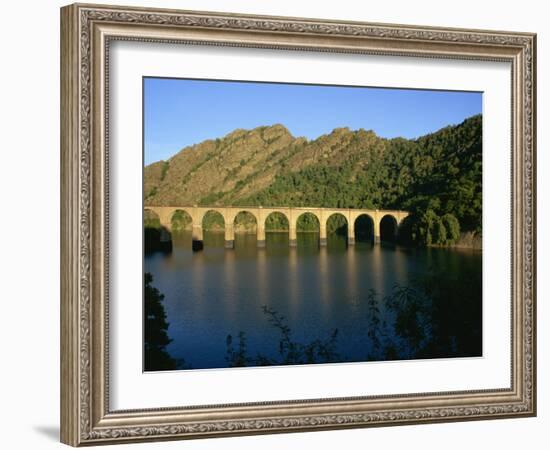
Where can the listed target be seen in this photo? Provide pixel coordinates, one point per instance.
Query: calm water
(217, 292)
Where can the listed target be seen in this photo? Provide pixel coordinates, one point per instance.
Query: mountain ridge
(276, 139)
(267, 165)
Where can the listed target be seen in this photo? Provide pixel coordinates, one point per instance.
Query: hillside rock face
(216, 166)
(230, 169)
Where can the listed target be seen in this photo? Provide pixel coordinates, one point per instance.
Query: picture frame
(87, 32)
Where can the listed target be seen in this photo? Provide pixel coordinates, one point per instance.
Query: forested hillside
(437, 177)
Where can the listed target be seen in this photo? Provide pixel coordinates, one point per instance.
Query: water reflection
(217, 292)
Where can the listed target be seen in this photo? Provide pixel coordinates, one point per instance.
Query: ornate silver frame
(86, 31)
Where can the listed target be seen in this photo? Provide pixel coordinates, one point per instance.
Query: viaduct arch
(197, 213)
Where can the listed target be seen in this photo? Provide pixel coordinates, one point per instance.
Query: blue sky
(179, 112)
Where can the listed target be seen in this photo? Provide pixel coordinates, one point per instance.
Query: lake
(311, 304)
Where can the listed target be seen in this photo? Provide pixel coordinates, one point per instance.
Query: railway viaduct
(292, 214)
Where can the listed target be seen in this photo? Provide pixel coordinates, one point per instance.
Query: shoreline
(467, 241)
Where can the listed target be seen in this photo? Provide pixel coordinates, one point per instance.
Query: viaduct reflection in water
(386, 302)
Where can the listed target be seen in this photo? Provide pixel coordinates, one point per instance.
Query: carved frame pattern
(86, 418)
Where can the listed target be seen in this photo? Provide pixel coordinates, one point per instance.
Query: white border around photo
(133, 389)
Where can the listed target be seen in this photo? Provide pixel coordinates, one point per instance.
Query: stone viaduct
(260, 213)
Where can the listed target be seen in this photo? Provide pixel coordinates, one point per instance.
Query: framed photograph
(275, 224)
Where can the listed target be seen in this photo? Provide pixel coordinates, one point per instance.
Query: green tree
(439, 234)
(423, 229)
(213, 221)
(155, 327)
(452, 226)
(181, 221)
